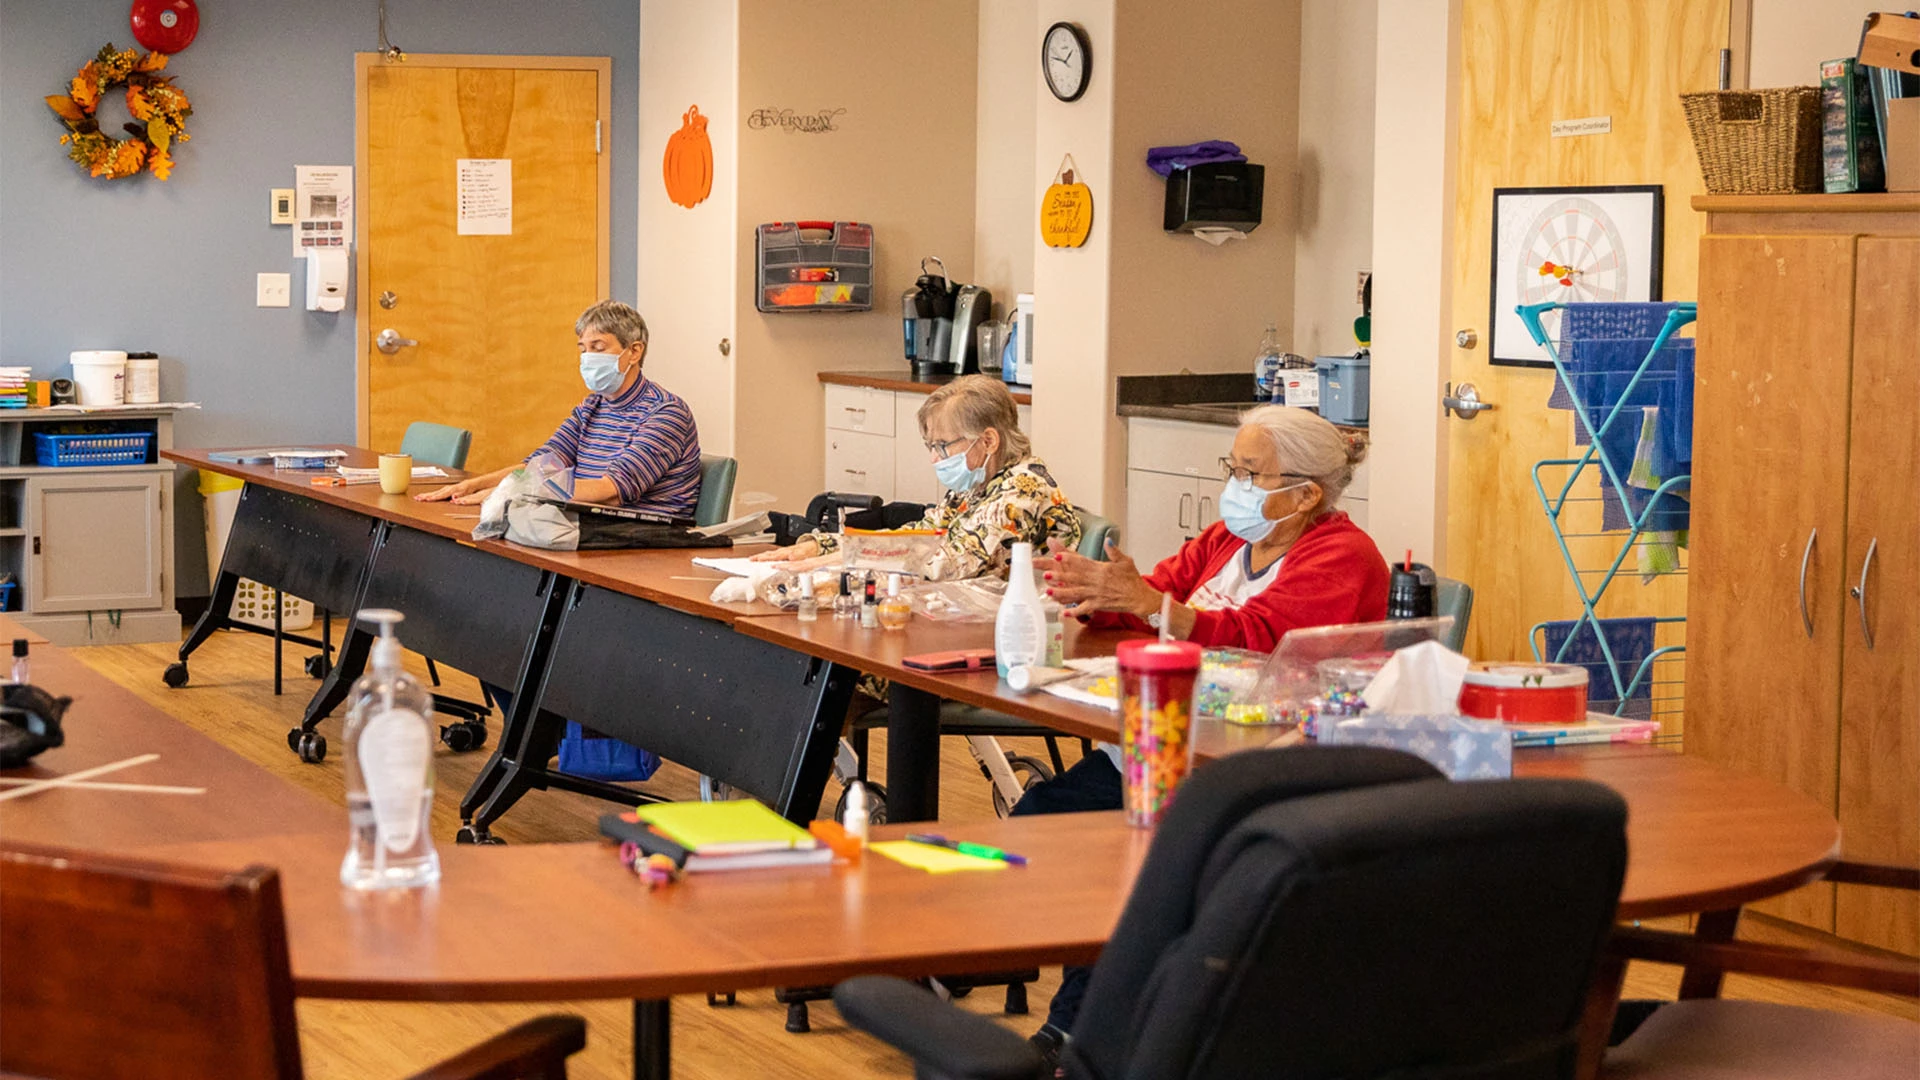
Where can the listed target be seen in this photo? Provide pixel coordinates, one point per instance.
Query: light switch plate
(280, 206)
(273, 290)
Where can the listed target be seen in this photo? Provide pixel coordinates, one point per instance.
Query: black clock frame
(1086, 49)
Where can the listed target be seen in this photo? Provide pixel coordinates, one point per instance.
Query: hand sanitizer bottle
(1020, 629)
(390, 739)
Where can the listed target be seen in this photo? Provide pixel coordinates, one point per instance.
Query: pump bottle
(1020, 628)
(389, 772)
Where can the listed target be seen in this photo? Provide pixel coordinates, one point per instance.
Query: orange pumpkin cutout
(688, 165)
(1066, 209)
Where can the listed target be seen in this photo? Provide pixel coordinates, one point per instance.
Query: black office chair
(1321, 912)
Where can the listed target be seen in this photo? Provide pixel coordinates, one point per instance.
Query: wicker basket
(1757, 142)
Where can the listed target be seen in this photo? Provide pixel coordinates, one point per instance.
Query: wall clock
(1066, 60)
(1570, 245)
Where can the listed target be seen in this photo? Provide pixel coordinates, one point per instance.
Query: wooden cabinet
(1802, 651)
(874, 445)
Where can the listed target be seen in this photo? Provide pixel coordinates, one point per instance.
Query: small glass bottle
(844, 605)
(389, 772)
(870, 605)
(809, 608)
(20, 661)
(894, 610)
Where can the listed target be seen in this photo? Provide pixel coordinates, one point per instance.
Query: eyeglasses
(1230, 471)
(943, 447)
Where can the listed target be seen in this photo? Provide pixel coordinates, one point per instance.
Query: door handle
(1464, 402)
(1859, 591)
(389, 341)
(1186, 499)
(1200, 521)
(1806, 556)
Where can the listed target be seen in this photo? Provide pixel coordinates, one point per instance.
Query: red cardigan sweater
(1333, 574)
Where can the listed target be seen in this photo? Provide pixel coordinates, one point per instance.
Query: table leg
(913, 754)
(652, 1039)
(1714, 926)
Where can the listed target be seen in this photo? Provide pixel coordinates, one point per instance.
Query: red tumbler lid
(1145, 654)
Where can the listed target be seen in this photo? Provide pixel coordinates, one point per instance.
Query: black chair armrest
(535, 1050)
(938, 1037)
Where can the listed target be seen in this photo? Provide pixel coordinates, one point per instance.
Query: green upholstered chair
(1454, 598)
(437, 444)
(716, 489)
(1094, 531)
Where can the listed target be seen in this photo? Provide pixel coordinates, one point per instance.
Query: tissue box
(1463, 749)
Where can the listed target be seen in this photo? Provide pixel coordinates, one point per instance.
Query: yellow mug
(396, 472)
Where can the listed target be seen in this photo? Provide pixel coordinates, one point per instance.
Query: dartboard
(1572, 253)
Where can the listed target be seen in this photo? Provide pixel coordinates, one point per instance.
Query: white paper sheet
(738, 567)
(485, 196)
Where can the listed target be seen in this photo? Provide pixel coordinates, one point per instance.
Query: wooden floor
(230, 698)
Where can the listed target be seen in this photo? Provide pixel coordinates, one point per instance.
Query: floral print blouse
(1020, 502)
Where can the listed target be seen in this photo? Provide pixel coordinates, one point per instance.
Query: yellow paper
(934, 860)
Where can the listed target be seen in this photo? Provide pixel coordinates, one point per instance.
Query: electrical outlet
(273, 290)
(1360, 287)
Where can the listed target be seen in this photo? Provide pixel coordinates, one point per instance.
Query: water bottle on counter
(390, 738)
(1020, 628)
(1266, 367)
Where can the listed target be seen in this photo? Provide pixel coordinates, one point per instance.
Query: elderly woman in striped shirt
(630, 443)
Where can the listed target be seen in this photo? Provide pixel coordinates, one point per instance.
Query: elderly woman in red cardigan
(1282, 556)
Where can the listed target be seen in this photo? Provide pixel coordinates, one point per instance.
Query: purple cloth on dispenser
(1165, 159)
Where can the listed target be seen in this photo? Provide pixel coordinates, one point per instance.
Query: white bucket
(100, 377)
(143, 382)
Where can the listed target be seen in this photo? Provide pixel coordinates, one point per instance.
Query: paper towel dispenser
(1220, 195)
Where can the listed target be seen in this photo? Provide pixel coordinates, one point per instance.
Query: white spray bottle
(390, 736)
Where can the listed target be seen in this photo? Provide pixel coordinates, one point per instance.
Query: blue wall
(169, 267)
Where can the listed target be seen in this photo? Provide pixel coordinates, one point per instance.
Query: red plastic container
(1156, 723)
(1526, 693)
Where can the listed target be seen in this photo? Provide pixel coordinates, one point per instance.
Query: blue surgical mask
(600, 371)
(1241, 509)
(954, 475)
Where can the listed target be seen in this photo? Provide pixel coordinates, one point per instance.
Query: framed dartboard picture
(1571, 245)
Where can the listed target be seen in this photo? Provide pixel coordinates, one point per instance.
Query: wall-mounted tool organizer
(813, 266)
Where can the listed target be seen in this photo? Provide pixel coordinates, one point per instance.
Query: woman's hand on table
(805, 549)
(465, 493)
(1085, 586)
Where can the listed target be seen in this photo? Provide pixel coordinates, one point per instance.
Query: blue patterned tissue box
(1463, 749)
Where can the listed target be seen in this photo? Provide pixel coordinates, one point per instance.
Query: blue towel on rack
(1631, 641)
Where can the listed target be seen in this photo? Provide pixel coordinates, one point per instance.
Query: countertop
(1197, 399)
(902, 379)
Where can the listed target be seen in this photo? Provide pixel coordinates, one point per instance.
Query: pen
(965, 848)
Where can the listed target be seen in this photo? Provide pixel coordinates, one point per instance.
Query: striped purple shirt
(644, 440)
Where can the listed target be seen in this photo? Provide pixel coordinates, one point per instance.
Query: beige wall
(902, 159)
(1334, 235)
(686, 271)
(1006, 203)
(1791, 37)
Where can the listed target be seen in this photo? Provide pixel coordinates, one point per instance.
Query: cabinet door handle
(855, 472)
(1806, 556)
(36, 545)
(862, 412)
(1186, 499)
(1860, 591)
(1201, 521)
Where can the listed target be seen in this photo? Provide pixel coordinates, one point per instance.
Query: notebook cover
(734, 827)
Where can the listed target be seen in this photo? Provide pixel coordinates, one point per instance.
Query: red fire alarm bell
(165, 26)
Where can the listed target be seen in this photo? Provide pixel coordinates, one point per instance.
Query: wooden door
(1880, 697)
(493, 314)
(1524, 64)
(96, 541)
(1769, 501)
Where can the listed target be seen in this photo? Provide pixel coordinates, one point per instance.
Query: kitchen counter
(1199, 399)
(902, 379)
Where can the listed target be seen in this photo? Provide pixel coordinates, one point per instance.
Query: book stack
(740, 834)
(13, 387)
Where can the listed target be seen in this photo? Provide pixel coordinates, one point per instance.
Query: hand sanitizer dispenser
(326, 279)
(389, 772)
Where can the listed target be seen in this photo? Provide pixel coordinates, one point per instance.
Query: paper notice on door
(485, 196)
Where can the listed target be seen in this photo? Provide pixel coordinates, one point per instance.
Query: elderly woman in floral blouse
(998, 493)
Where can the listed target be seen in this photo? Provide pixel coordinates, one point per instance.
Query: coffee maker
(938, 320)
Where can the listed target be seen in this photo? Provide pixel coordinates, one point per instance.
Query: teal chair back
(1454, 598)
(437, 444)
(1094, 531)
(716, 489)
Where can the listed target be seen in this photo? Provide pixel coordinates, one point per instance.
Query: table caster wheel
(1016, 999)
(797, 1018)
(311, 746)
(876, 805)
(318, 666)
(471, 834)
(175, 676)
(294, 735)
(714, 1001)
(464, 735)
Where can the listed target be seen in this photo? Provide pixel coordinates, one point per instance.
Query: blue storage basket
(114, 448)
(598, 757)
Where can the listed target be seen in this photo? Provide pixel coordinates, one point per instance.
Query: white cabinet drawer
(1163, 512)
(1358, 488)
(1024, 415)
(862, 463)
(906, 417)
(1173, 446)
(857, 408)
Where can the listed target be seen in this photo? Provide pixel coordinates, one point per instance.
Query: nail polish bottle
(894, 610)
(809, 609)
(844, 605)
(870, 605)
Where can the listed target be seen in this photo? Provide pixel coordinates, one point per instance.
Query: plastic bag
(542, 474)
(1298, 683)
(893, 551)
(976, 600)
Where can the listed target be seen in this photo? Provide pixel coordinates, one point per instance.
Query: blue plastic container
(116, 448)
(1344, 386)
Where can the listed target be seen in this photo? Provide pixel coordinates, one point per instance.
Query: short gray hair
(613, 317)
(979, 402)
(1309, 447)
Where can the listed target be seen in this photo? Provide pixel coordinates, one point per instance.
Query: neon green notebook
(735, 827)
